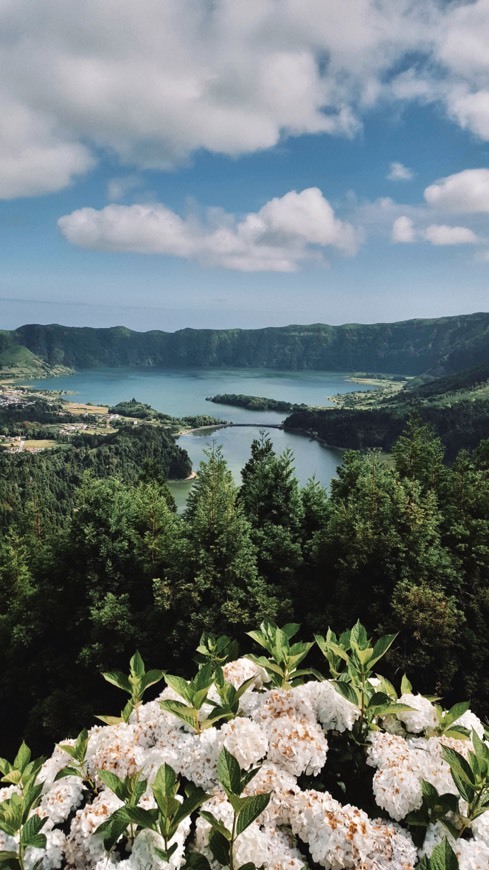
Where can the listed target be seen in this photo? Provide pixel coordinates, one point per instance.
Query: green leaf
(216, 824)
(136, 665)
(67, 771)
(110, 720)
(458, 764)
(183, 711)
(179, 685)
(166, 853)
(251, 808)
(165, 780)
(112, 781)
(347, 690)
(406, 686)
(23, 757)
(219, 847)
(118, 679)
(229, 772)
(112, 829)
(150, 678)
(381, 647)
(197, 861)
(443, 857)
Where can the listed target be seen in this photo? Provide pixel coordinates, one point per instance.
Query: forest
(413, 347)
(95, 562)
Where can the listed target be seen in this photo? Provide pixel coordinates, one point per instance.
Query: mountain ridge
(435, 346)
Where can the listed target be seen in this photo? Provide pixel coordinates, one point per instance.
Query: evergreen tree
(271, 500)
(214, 584)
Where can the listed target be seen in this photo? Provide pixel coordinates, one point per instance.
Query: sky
(243, 163)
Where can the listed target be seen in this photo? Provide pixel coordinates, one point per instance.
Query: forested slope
(92, 569)
(441, 345)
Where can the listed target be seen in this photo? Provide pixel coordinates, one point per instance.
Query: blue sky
(254, 163)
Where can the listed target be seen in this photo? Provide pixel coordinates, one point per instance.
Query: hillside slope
(438, 346)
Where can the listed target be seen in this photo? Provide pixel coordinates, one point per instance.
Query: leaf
(216, 824)
(179, 685)
(23, 757)
(347, 690)
(219, 847)
(229, 772)
(110, 720)
(250, 810)
(458, 764)
(443, 857)
(111, 780)
(406, 686)
(67, 771)
(136, 664)
(183, 711)
(117, 678)
(165, 780)
(381, 647)
(195, 798)
(197, 861)
(326, 646)
(30, 832)
(166, 853)
(150, 678)
(112, 829)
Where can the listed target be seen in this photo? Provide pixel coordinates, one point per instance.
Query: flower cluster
(286, 742)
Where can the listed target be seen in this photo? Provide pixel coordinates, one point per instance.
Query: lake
(183, 392)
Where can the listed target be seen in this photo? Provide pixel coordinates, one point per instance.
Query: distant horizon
(246, 328)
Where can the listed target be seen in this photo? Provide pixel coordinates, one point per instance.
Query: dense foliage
(255, 403)
(457, 407)
(93, 564)
(442, 345)
(259, 762)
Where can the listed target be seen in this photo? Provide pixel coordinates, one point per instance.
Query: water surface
(183, 392)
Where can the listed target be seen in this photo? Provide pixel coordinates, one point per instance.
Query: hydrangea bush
(259, 762)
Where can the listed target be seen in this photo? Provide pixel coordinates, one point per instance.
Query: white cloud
(286, 232)
(440, 234)
(153, 82)
(403, 230)
(399, 172)
(466, 191)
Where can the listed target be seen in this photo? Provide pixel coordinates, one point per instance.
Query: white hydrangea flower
(402, 765)
(297, 746)
(281, 702)
(114, 748)
(246, 740)
(53, 854)
(243, 669)
(61, 799)
(341, 837)
(82, 849)
(472, 722)
(333, 710)
(281, 787)
(423, 715)
(200, 761)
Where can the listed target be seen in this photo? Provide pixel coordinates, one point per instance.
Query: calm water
(183, 392)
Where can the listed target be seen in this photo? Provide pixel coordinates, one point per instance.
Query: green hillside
(439, 346)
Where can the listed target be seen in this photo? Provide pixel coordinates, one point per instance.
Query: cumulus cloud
(403, 230)
(466, 191)
(282, 235)
(153, 82)
(399, 172)
(440, 234)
